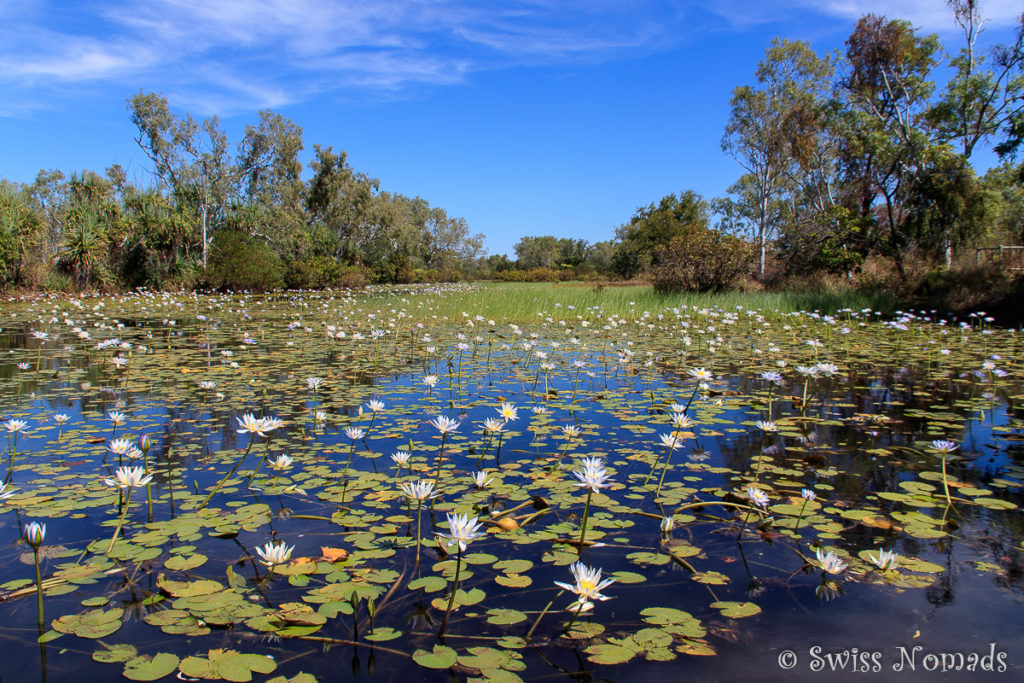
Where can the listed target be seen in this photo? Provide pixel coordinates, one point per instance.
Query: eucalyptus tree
(773, 129)
(985, 94)
(888, 145)
(984, 97)
(190, 157)
(341, 200)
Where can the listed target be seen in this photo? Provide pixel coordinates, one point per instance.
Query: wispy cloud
(927, 15)
(243, 54)
(930, 15)
(225, 56)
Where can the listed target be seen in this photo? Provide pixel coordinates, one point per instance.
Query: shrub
(239, 262)
(319, 272)
(701, 261)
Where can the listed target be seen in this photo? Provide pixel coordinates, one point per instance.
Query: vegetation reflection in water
(235, 486)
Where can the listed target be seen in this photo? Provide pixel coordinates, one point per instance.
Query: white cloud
(265, 53)
(269, 52)
(930, 15)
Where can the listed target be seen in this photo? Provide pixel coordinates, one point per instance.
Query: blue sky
(526, 117)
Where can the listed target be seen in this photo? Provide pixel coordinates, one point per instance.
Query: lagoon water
(733, 590)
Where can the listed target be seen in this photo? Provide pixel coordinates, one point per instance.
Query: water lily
(401, 458)
(830, 562)
(508, 411)
(757, 496)
(884, 559)
(421, 490)
(129, 477)
(281, 462)
(462, 530)
(444, 424)
(34, 533)
(248, 424)
(273, 554)
(587, 586)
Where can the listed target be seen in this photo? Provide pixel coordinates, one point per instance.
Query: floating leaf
(441, 657)
(146, 668)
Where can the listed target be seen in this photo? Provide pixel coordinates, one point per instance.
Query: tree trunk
(204, 213)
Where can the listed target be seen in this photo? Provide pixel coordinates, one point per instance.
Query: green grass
(520, 302)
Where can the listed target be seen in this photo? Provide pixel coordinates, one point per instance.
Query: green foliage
(655, 226)
(701, 261)
(239, 262)
(20, 224)
(533, 275)
(318, 272)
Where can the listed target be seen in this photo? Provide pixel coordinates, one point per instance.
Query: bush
(239, 262)
(319, 272)
(701, 261)
(533, 275)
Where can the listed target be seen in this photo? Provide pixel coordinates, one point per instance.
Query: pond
(350, 484)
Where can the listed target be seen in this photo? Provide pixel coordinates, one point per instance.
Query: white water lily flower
(354, 433)
(593, 476)
(885, 559)
(401, 458)
(462, 530)
(493, 425)
(129, 477)
(250, 425)
(571, 431)
(421, 490)
(757, 496)
(444, 424)
(681, 420)
(701, 374)
(508, 411)
(588, 586)
(830, 562)
(275, 553)
(281, 462)
(15, 425)
(670, 441)
(481, 479)
(121, 446)
(269, 424)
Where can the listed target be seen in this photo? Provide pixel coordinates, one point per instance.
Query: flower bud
(34, 534)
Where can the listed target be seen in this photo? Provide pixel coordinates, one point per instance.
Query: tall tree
(887, 143)
(772, 127)
(190, 157)
(342, 200)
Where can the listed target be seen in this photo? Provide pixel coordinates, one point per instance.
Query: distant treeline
(856, 166)
(219, 216)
